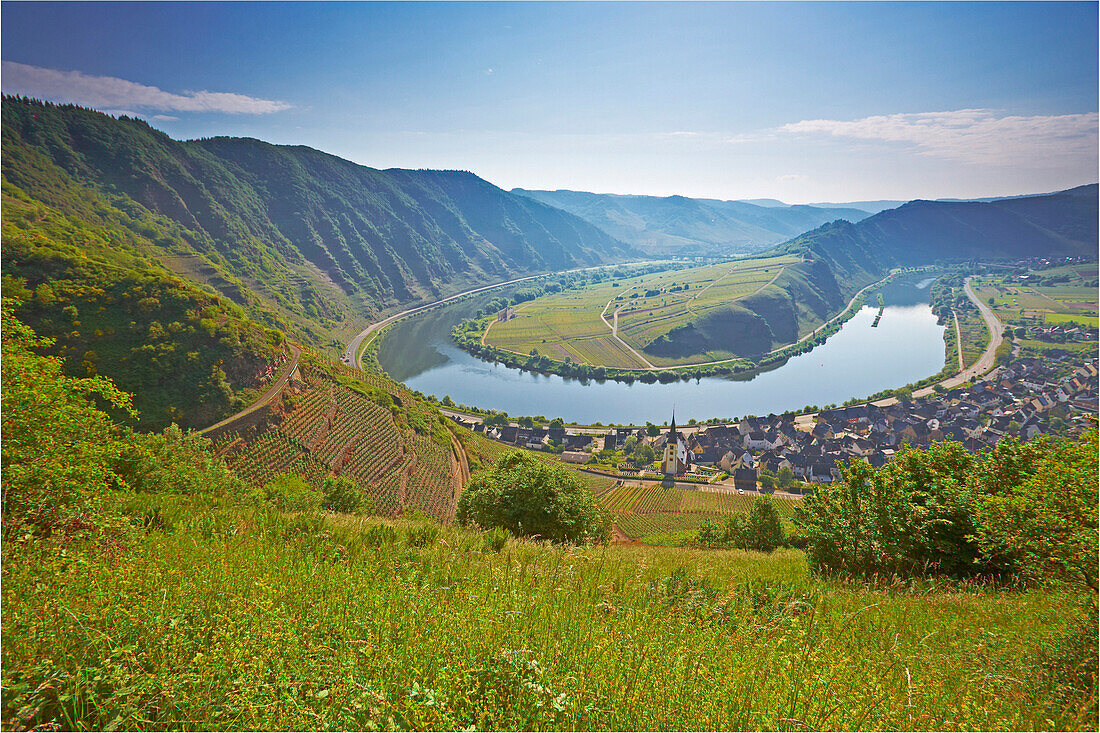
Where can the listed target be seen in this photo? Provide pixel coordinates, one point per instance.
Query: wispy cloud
(977, 136)
(108, 92)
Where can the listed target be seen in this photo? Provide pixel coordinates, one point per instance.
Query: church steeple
(672, 430)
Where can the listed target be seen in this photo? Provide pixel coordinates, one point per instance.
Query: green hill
(842, 257)
(923, 232)
(303, 240)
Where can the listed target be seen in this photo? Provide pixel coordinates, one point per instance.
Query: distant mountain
(841, 257)
(677, 225)
(923, 232)
(303, 239)
(870, 207)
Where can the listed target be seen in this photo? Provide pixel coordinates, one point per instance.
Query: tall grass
(216, 616)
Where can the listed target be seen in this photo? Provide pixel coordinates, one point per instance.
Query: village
(1026, 398)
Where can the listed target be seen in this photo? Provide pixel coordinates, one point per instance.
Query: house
(745, 479)
(575, 456)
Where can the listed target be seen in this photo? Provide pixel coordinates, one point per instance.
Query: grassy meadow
(217, 615)
(569, 324)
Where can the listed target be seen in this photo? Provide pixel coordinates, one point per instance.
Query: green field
(570, 325)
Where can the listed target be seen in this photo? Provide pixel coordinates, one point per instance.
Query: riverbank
(470, 336)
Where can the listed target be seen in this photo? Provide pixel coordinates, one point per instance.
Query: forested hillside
(185, 355)
(922, 232)
(303, 240)
(688, 226)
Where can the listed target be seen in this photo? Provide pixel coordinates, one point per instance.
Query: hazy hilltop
(922, 232)
(677, 225)
(312, 238)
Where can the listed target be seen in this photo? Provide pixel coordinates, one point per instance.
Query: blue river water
(858, 360)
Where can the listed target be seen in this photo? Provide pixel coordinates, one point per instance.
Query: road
(988, 358)
(958, 341)
(272, 391)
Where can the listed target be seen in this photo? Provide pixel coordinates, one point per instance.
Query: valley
(291, 442)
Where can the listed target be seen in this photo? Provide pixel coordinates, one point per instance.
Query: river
(858, 360)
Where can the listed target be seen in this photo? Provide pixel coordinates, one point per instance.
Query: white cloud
(108, 92)
(977, 136)
(166, 118)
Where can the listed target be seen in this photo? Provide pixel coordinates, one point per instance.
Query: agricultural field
(1015, 301)
(640, 511)
(339, 422)
(570, 325)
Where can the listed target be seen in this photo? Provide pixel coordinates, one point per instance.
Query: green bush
(292, 493)
(1019, 509)
(341, 494)
(760, 529)
(59, 449)
(533, 499)
(176, 462)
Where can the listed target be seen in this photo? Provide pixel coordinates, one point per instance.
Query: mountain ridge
(292, 224)
(680, 225)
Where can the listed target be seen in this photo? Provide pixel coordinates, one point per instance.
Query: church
(675, 458)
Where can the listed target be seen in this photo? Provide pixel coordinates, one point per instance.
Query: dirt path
(460, 475)
(614, 326)
(274, 390)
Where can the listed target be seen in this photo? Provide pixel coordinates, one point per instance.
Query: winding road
(271, 393)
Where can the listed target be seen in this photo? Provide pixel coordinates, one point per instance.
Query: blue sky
(802, 102)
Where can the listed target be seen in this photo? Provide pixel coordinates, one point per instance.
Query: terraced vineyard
(643, 510)
(338, 421)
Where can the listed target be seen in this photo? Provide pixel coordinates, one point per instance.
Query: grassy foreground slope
(220, 616)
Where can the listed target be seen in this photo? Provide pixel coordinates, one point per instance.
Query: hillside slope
(922, 232)
(842, 257)
(689, 226)
(317, 240)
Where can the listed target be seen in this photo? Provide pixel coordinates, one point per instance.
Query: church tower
(675, 458)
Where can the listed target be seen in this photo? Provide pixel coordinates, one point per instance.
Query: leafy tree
(785, 478)
(652, 430)
(630, 444)
(762, 529)
(645, 454)
(58, 448)
(531, 498)
(447, 401)
(176, 462)
(1047, 524)
(557, 424)
(767, 481)
(341, 494)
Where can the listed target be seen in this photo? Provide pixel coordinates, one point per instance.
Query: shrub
(341, 494)
(530, 498)
(58, 447)
(762, 529)
(176, 462)
(1026, 509)
(291, 493)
